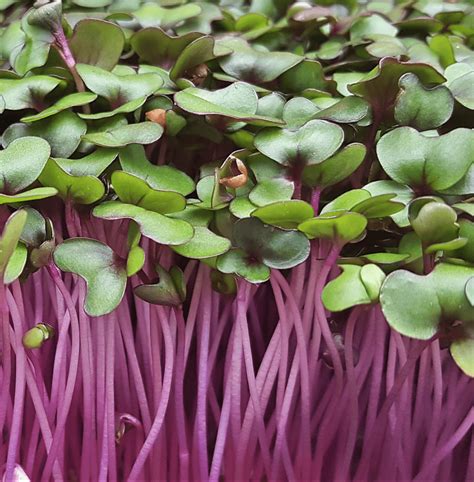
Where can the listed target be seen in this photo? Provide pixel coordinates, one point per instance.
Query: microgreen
(169, 291)
(100, 267)
(233, 216)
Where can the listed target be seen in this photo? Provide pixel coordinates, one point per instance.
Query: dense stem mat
(225, 386)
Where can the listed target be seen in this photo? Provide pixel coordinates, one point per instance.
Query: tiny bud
(158, 116)
(41, 256)
(197, 75)
(240, 179)
(124, 423)
(35, 337)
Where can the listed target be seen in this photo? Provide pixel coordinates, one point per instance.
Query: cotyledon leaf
(157, 227)
(103, 271)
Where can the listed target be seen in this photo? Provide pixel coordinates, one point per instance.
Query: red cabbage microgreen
(237, 240)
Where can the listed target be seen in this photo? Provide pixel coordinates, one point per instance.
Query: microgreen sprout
(237, 240)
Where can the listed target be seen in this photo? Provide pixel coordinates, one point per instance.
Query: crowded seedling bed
(237, 240)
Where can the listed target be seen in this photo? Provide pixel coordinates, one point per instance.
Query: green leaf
(166, 178)
(155, 226)
(331, 49)
(403, 194)
(10, 237)
(199, 51)
(47, 16)
(156, 47)
(92, 3)
(305, 78)
(255, 66)
(415, 305)
(410, 305)
(469, 290)
(378, 206)
(135, 260)
(223, 283)
(386, 46)
(140, 133)
(385, 258)
(242, 207)
(467, 208)
(297, 111)
(63, 132)
(100, 267)
(209, 193)
(441, 45)
(422, 108)
(270, 191)
(126, 108)
(34, 231)
(346, 201)
(170, 290)
(411, 245)
(274, 247)
(461, 83)
(119, 89)
(463, 353)
(372, 277)
(384, 79)
(452, 245)
(312, 143)
(411, 158)
(133, 190)
(21, 163)
(336, 168)
(434, 223)
(26, 93)
(79, 189)
(238, 262)
(340, 227)
(348, 110)
(30, 195)
(204, 244)
(16, 264)
(34, 47)
(463, 187)
(152, 15)
(97, 42)
(368, 26)
(194, 215)
(66, 102)
(237, 101)
(202, 22)
(346, 291)
(466, 231)
(285, 214)
(345, 79)
(94, 164)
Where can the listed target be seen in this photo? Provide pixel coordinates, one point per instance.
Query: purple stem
(242, 302)
(73, 366)
(6, 355)
(18, 403)
(62, 46)
(179, 396)
(161, 412)
(447, 447)
(305, 438)
(201, 411)
(315, 199)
